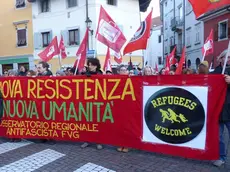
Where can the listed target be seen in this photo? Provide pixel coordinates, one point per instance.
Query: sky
(156, 9)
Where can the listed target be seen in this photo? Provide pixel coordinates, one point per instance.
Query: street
(70, 157)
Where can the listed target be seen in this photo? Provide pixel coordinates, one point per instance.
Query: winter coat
(225, 114)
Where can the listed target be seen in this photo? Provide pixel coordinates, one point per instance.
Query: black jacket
(47, 73)
(225, 114)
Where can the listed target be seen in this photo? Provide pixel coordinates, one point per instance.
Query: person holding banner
(224, 63)
(94, 68)
(43, 69)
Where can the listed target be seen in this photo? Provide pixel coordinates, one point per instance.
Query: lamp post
(88, 21)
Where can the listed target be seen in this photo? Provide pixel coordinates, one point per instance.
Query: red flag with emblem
(108, 32)
(203, 6)
(62, 48)
(171, 57)
(50, 51)
(208, 45)
(118, 57)
(140, 38)
(81, 53)
(181, 63)
(107, 65)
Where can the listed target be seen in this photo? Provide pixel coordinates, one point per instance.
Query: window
(180, 9)
(198, 29)
(46, 39)
(159, 60)
(223, 30)
(171, 41)
(189, 63)
(166, 26)
(197, 63)
(45, 6)
(188, 7)
(159, 39)
(188, 37)
(112, 2)
(20, 3)
(72, 3)
(21, 37)
(74, 37)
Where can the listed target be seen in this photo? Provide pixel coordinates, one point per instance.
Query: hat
(204, 63)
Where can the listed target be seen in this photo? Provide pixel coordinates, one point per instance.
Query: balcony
(177, 24)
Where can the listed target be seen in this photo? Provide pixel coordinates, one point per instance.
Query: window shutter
(216, 33)
(51, 36)
(78, 37)
(228, 31)
(65, 34)
(37, 40)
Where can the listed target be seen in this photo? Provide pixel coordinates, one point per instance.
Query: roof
(144, 4)
(226, 7)
(156, 21)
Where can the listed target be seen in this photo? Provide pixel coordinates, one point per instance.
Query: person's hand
(227, 79)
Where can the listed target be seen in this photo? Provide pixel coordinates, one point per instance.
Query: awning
(144, 4)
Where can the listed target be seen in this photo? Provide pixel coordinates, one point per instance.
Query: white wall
(193, 51)
(155, 49)
(61, 18)
(196, 36)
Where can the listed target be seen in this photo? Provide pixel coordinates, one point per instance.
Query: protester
(84, 70)
(148, 71)
(12, 72)
(131, 73)
(108, 72)
(203, 68)
(60, 73)
(22, 71)
(43, 69)
(187, 71)
(94, 68)
(225, 114)
(30, 73)
(5, 74)
(122, 70)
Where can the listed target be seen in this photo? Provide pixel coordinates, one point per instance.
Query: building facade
(219, 21)
(154, 52)
(68, 18)
(180, 28)
(16, 35)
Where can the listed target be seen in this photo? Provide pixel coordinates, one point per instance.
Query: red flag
(203, 6)
(62, 48)
(208, 45)
(181, 63)
(167, 66)
(107, 65)
(156, 67)
(171, 57)
(50, 51)
(140, 38)
(118, 58)
(81, 52)
(108, 32)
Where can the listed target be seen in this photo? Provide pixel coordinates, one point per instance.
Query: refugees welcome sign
(175, 115)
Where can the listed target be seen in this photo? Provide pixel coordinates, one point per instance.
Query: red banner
(175, 115)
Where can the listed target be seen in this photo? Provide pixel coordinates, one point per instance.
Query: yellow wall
(70, 61)
(8, 34)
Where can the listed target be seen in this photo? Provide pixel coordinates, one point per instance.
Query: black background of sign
(195, 117)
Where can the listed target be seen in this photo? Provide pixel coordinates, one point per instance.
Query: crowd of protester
(93, 67)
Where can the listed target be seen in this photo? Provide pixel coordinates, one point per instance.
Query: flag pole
(59, 59)
(226, 58)
(78, 60)
(204, 55)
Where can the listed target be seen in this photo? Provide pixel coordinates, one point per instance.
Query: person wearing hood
(225, 114)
